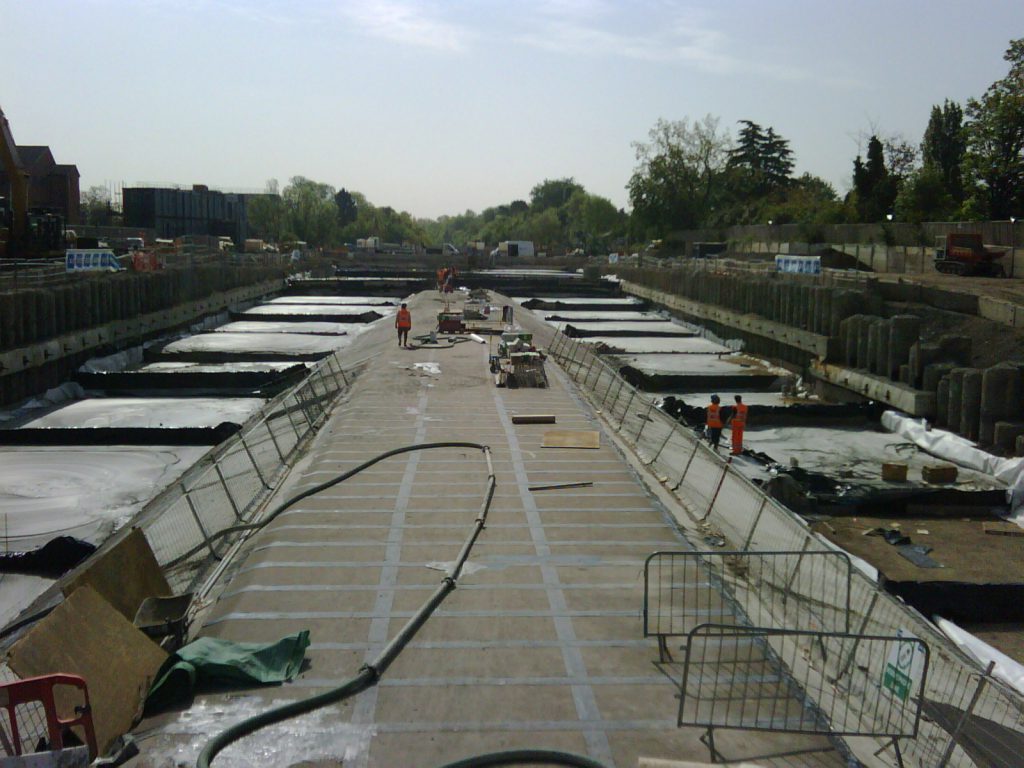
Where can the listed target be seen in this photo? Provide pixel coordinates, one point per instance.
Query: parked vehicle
(964, 253)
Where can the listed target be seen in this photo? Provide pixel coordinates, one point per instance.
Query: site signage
(902, 672)
(807, 265)
(91, 260)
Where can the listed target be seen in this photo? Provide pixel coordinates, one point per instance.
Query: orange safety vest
(739, 415)
(404, 319)
(714, 418)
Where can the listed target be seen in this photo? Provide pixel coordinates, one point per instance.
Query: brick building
(51, 185)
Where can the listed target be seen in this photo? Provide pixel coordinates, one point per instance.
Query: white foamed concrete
(663, 328)
(148, 413)
(692, 345)
(314, 310)
(332, 300)
(236, 366)
(574, 316)
(682, 365)
(257, 343)
(316, 328)
(857, 451)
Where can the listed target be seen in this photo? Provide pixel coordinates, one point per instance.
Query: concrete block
(952, 301)
(996, 310)
(904, 333)
(1007, 434)
(1000, 399)
(939, 473)
(970, 408)
(942, 402)
(933, 374)
(894, 472)
(955, 400)
(955, 349)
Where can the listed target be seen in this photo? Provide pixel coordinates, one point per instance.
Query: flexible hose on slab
(370, 673)
(313, 491)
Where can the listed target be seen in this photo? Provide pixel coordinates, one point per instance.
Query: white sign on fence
(902, 671)
(807, 265)
(91, 260)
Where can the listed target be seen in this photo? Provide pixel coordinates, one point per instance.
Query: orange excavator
(23, 232)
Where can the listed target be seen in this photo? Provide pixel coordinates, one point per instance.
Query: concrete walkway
(540, 646)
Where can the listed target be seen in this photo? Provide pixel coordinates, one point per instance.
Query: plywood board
(1003, 529)
(567, 438)
(124, 575)
(117, 661)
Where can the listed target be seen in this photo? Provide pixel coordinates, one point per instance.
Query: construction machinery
(964, 253)
(24, 231)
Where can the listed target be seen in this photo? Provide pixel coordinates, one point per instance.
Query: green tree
(347, 208)
(267, 215)
(994, 162)
(944, 145)
(763, 158)
(924, 196)
(96, 207)
(679, 171)
(552, 193)
(312, 212)
(873, 190)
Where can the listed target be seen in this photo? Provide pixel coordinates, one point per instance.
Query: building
(51, 185)
(197, 211)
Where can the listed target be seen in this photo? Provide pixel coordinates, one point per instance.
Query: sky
(438, 107)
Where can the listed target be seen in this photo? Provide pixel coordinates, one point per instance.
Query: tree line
(693, 174)
(969, 164)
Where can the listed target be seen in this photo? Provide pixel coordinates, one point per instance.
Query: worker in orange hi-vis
(714, 421)
(403, 322)
(737, 423)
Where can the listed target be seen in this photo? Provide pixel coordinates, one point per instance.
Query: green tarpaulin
(212, 662)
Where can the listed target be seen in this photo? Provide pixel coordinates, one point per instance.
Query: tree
(924, 196)
(994, 162)
(96, 207)
(347, 208)
(267, 215)
(311, 210)
(763, 157)
(873, 190)
(552, 193)
(679, 171)
(943, 147)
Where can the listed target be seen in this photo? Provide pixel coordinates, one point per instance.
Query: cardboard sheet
(117, 661)
(124, 575)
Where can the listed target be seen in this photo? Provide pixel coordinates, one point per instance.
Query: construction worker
(403, 322)
(714, 421)
(737, 422)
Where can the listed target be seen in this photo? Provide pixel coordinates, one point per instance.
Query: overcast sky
(435, 107)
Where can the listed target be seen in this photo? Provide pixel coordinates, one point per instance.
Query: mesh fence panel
(953, 732)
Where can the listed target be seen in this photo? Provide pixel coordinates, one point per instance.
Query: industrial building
(196, 211)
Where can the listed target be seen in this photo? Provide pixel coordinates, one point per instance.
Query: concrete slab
(540, 644)
(583, 329)
(252, 346)
(371, 301)
(663, 345)
(269, 326)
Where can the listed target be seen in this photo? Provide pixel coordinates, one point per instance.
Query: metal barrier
(809, 590)
(827, 683)
(229, 486)
(711, 491)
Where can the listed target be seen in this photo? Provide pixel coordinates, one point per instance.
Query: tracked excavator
(24, 233)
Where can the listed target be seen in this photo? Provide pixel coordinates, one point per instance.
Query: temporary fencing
(958, 688)
(807, 590)
(828, 683)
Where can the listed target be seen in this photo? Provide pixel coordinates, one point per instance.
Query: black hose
(521, 756)
(370, 673)
(312, 491)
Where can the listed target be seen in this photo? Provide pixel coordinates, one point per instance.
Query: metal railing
(229, 487)
(809, 590)
(723, 500)
(827, 683)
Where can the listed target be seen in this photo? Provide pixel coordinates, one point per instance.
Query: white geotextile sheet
(1006, 669)
(962, 451)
